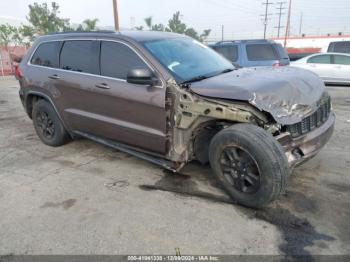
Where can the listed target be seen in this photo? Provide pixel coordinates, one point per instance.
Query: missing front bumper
(300, 149)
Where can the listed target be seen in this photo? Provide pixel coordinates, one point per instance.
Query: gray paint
(287, 93)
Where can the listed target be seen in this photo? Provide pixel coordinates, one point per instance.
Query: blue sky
(240, 17)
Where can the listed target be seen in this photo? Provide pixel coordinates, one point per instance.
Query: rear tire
(249, 163)
(47, 124)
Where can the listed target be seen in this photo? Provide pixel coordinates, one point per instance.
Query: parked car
(252, 53)
(339, 47)
(169, 99)
(333, 68)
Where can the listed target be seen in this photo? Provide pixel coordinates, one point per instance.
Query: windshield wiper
(226, 70)
(202, 77)
(195, 79)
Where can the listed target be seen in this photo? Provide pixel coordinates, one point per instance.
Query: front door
(102, 103)
(130, 113)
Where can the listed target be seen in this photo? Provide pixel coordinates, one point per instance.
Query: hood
(287, 93)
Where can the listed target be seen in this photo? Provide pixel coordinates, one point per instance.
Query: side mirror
(141, 76)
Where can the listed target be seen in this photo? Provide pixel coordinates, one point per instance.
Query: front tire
(47, 124)
(249, 163)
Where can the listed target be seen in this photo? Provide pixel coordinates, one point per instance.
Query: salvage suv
(169, 99)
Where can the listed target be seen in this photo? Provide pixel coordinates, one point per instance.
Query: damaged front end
(294, 108)
(193, 120)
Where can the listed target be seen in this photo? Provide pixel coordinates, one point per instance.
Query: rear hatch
(266, 54)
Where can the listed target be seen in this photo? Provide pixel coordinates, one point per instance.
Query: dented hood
(287, 93)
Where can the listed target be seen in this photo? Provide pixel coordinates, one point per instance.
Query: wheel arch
(203, 134)
(32, 97)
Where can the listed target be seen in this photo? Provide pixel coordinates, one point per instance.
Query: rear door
(78, 68)
(341, 68)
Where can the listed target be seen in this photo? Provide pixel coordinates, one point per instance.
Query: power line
(267, 3)
(280, 13)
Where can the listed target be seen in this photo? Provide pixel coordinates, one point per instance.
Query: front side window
(46, 54)
(261, 52)
(186, 58)
(228, 51)
(80, 56)
(117, 59)
(320, 59)
(341, 60)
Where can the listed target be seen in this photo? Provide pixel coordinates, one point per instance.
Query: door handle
(102, 86)
(54, 77)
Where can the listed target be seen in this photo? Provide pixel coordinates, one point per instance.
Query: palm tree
(90, 24)
(149, 22)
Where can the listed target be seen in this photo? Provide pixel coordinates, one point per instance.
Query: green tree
(139, 27)
(149, 22)
(27, 33)
(175, 25)
(90, 24)
(45, 19)
(6, 34)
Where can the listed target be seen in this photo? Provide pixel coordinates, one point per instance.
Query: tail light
(18, 73)
(278, 64)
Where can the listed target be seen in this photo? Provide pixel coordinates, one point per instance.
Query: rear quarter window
(47, 54)
(230, 52)
(80, 56)
(261, 52)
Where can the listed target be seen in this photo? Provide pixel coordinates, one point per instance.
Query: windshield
(187, 59)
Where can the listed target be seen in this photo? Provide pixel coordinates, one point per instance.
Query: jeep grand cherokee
(169, 99)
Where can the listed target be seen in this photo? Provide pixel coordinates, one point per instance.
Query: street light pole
(116, 16)
(288, 23)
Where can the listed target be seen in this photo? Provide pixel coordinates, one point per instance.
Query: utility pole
(222, 32)
(288, 23)
(116, 15)
(280, 8)
(267, 3)
(301, 23)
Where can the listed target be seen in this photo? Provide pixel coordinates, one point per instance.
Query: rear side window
(46, 54)
(342, 47)
(261, 52)
(117, 59)
(80, 56)
(230, 52)
(320, 59)
(341, 60)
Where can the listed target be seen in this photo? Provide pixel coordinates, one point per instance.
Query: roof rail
(83, 32)
(225, 41)
(242, 41)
